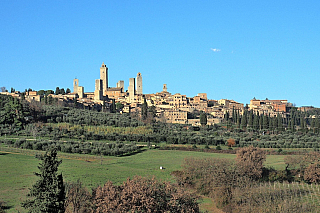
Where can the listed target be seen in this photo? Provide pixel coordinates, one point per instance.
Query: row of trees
(96, 148)
(296, 119)
(171, 135)
(61, 91)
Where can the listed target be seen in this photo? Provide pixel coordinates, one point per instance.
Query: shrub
(250, 162)
(212, 177)
(231, 142)
(312, 173)
(143, 195)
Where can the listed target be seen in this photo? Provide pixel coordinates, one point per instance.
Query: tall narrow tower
(131, 89)
(165, 88)
(98, 91)
(104, 78)
(75, 85)
(139, 83)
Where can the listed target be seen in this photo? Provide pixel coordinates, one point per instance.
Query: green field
(17, 168)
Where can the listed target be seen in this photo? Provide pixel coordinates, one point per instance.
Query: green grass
(17, 169)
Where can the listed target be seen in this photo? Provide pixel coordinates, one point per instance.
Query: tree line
(295, 120)
(95, 148)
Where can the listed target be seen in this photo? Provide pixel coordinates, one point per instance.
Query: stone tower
(131, 89)
(164, 88)
(98, 90)
(120, 84)
(104, 78)
(80, 91)
(139, 83)
(75, 85)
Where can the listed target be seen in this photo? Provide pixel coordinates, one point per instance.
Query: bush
(211, 177)
(250, 162)
(143, 195)
(312, 173)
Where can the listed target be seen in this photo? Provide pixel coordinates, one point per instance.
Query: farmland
(18, 166)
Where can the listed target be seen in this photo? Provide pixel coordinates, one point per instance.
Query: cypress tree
(270, 123)
(244, 120)
(226, 116)
(265, 122)
(301, 122)
(238, 122)
(292, 125)
(203, 119)
(275, 123)
(57, 91)
(250, 122)
(255, 122)
(113, 106)
(261, 121)
(279, 118)
(234, 116)
(144, 110)
(48, 193)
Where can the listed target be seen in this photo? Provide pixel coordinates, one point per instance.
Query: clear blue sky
(229, 49)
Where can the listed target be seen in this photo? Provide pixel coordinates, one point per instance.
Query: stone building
(104, 78)
(120, 84)
(131, 89)
(98, 90)
(139, 84)
(282, 106)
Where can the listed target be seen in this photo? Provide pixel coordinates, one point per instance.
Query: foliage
(119, 106)
(143, 195)
(113, 108)
(95, 148)
(78, 198)
(305, 166)
(203, 119)
(250, 162)
(233, 192)
(277, 197)
(144, 110)
(297, 130)
(12, 112)
(231, 142)
(312, 173)
(213, 177)
(48, 193)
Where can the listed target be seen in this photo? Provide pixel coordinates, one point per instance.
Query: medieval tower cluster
(102, 90)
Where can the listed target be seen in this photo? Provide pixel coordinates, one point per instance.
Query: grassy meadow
(17, 168)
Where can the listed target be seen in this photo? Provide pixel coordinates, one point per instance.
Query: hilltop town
(166, 107)
(113, 133)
